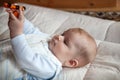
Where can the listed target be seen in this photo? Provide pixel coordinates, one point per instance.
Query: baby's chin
(51, 46)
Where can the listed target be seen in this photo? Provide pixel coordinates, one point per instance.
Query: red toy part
(14, 8)
(16, 13)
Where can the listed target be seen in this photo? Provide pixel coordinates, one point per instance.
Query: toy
(14, 8)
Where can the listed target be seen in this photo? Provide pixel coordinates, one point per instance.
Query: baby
(43, 57)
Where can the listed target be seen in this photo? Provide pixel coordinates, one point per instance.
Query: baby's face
(64, 46)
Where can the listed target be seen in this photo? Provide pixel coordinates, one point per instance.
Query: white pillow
(106, 66)
(73, 74)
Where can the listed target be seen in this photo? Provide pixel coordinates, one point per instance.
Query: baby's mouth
(51, 42)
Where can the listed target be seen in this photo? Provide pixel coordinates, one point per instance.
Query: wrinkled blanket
(107, 63)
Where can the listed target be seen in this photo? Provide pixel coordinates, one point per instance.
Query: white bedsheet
(56, 21)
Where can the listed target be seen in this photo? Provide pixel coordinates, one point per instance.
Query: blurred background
(106, 9)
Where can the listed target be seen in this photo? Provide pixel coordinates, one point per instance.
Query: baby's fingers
(21, 15)
(11, 15)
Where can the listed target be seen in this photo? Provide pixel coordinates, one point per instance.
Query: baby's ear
(72, 63)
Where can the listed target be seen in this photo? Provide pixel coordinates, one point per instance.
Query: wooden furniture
(78, 5)
(75, 5)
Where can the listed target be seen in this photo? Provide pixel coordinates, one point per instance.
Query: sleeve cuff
(18, 39)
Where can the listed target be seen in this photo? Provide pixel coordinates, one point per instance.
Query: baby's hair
(87, 49)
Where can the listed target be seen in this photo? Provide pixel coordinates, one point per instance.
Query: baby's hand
(15, 24)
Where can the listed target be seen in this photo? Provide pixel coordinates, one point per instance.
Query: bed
(106, 65)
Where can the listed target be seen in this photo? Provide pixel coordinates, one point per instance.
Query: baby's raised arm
(27, 58)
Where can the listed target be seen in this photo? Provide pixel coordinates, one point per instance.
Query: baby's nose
(58, 37)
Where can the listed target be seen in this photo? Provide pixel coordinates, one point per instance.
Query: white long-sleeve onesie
(33, 55)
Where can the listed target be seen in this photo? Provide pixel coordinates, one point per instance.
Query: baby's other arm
(29, 28)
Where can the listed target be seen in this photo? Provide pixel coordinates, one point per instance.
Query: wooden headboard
(75, 5)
